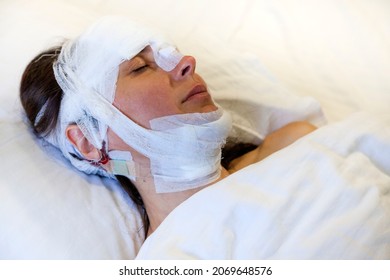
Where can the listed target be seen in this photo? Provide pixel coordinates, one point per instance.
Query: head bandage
(184, 150)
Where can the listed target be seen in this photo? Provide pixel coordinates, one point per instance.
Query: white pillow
(48, 210)
(257, 102)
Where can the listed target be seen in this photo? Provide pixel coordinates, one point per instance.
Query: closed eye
(139, 69)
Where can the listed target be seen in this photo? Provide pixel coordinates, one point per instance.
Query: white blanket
(327, 196)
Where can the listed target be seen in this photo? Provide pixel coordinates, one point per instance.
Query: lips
(196, 90)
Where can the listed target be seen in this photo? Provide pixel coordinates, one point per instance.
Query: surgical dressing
(184, 150)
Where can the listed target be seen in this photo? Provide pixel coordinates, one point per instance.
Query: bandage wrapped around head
(184, 150)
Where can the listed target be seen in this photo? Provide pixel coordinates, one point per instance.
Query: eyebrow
(127, 63)
(138, 54)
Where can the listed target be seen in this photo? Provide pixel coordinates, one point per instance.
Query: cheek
(141, 104)
(134, 107)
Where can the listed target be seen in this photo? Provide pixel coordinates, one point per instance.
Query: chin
(203, 109)
(200, 108)
(209, 108)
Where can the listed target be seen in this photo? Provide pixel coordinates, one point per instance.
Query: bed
(268, 62)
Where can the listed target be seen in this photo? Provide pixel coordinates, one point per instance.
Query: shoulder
(299, 128)
(284, 136)
(274, 142)
(288, 134)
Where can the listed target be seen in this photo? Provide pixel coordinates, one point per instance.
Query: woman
(121, 101)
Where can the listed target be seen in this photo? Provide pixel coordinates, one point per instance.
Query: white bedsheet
(327, 196)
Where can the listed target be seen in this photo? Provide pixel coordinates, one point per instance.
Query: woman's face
(144, 91)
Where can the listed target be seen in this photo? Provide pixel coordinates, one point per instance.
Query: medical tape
(121, 163)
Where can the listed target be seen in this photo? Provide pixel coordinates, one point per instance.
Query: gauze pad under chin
(184, 150)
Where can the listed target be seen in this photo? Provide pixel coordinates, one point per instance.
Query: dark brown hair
(39, 90)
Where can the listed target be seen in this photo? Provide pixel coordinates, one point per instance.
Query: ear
(81, 143)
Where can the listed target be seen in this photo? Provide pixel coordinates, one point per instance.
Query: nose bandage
(184, 150)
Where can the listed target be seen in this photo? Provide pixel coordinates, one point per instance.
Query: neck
(159, 205)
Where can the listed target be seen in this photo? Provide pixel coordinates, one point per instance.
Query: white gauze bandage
(184, 150)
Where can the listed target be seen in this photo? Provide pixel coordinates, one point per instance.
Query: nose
(185, 67)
